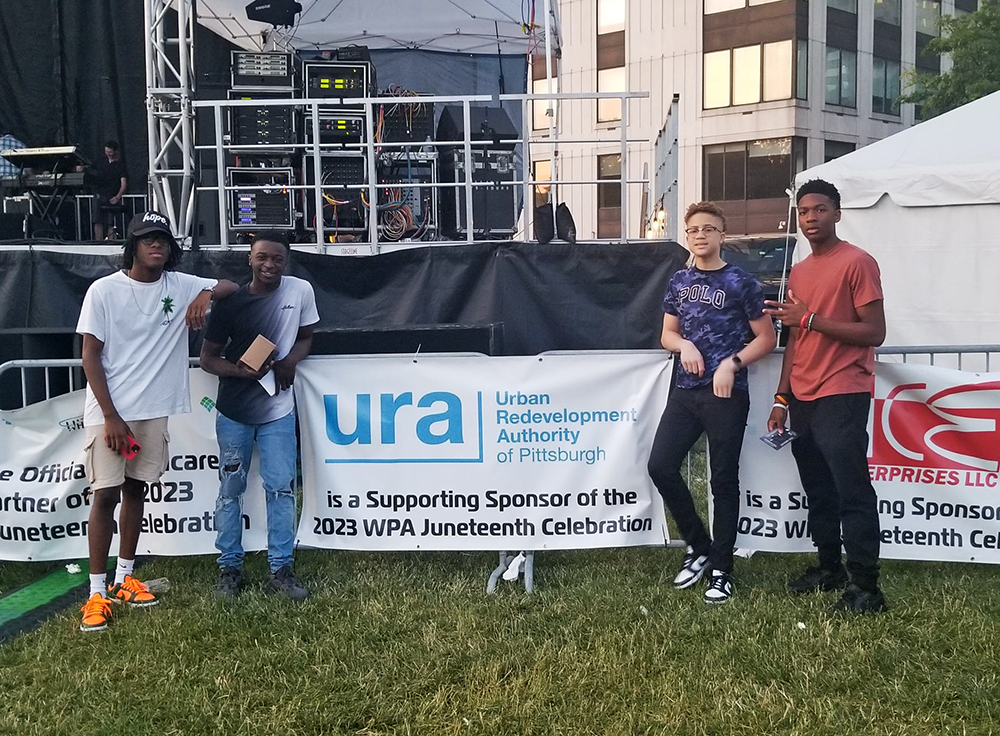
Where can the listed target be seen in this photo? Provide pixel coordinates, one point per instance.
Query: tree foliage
(973, 43)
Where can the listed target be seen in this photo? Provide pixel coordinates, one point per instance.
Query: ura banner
(934, 459)
(45, 497)
(476, 453)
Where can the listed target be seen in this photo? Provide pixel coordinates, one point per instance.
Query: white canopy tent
(459, 26)
(925, 203)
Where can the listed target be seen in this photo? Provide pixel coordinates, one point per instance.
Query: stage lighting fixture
(275, 12)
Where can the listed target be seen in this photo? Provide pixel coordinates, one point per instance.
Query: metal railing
(36, 383)
(370, 148)
(131, 205)
(962, 356)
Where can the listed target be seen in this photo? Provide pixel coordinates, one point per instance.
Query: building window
(929, 17)
(539, 108)
(848, 6)
(717, 80)
(610, 80)
(721, 6)
(777, 70)
(541, 171)
(841, 77)
(749, 179)
(746, 75)
(835, 149)
(769, 168)
(760, 169)
(609, 196)
(610, 16)
(964, 7)
(611, 75)
(802, 69)
(540, 86)
(887, 11)
(885, 86)
(750, 74)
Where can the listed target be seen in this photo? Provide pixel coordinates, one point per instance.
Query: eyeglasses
(707, 229)
(149, 238)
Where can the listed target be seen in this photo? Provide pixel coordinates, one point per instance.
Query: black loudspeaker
(486, 339)
(489, 126)
(12, 226)
(493, 213)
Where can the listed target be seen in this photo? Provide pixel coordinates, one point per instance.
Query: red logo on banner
(958, 428)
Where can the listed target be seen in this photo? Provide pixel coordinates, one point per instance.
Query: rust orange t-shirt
(833, 285)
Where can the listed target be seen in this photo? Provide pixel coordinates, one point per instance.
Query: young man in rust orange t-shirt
(835, 313)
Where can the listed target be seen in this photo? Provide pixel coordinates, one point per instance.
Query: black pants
(690, 412)
(832, 454)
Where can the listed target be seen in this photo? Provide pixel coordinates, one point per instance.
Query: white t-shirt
(145, 355)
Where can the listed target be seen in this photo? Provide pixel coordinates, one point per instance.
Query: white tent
(926, 203)
(464, 26)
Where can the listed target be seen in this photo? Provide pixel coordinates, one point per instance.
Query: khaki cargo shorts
(108, 469)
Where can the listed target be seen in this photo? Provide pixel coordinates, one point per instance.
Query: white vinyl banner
(476, 453)
(45, 496)
(934, 459)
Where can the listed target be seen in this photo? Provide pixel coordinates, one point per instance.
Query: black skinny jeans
(688, 413)
(831, 451)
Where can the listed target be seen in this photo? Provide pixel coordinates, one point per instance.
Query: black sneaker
(692, 569)
(230, 582)
(284, 581)
(859, 600)
(819, 578)
(720, 587)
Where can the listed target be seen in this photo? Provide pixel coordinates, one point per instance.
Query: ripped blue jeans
(276, 449)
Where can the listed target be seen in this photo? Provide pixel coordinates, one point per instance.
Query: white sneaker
(691, 571)
(720, 587)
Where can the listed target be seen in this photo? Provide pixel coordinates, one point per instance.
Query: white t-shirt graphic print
(145, 338)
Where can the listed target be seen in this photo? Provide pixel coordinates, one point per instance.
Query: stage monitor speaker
(485, 338)
(493, 207)
(489, 126)
(12, 226)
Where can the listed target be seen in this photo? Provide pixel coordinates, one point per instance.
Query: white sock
(98, 584)
(123, 568)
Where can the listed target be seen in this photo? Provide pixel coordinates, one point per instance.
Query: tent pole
(788, 235)
(550, 112)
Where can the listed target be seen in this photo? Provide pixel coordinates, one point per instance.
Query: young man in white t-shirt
(282, 309)
(135, 358)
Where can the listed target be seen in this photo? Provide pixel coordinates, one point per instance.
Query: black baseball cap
(149, 222)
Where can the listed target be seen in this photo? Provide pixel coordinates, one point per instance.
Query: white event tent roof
(926, 203)
(459, 26)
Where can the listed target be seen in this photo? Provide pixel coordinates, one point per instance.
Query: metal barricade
(970, 358)
(84, 210)
(38, 384)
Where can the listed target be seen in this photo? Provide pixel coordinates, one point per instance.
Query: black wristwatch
(737, 361)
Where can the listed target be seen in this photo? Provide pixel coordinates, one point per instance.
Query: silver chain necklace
(162, 279)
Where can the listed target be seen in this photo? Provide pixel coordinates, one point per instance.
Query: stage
(531, 298)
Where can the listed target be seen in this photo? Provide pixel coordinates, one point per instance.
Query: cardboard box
(258, 353)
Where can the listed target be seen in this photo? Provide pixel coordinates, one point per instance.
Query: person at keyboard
(110, 182)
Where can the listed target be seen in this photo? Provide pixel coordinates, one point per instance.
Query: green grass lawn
(410, 644)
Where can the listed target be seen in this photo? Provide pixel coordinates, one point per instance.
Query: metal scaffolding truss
(169, 112)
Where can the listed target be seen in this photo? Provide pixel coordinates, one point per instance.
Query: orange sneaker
(133, 593)
(96, 613)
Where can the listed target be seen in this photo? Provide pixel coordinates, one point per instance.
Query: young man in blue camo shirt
(713, 316)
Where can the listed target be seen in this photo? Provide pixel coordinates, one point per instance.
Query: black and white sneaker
(692, 570)
(720, 587)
